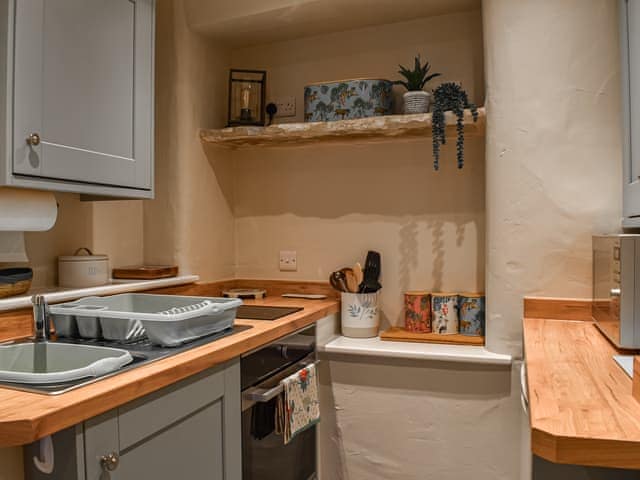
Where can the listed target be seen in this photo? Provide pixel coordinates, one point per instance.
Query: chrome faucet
(41, 322)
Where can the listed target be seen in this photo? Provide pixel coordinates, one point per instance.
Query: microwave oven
(616, 288)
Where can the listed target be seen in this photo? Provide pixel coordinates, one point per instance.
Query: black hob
(261, 312)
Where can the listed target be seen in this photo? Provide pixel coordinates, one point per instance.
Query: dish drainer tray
(167, 320)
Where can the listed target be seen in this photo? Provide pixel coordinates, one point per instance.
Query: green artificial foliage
(417, 78)
(450, 97)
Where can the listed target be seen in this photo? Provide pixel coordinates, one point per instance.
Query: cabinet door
(189, 430)
(630, 72)
(190, 448)
(83, 82)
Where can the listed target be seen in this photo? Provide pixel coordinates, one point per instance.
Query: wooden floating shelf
(395, 334)
(363, 129)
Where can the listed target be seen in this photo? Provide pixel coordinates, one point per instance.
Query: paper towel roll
(27, 210)
(23, 211)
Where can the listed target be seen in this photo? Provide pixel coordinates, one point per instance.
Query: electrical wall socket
(286, 106)
(288, 261)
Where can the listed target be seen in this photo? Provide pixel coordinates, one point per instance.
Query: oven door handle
(261, 394)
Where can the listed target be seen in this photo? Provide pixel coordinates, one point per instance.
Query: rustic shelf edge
(382, 128)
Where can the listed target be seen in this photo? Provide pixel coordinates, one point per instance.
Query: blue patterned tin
(471, 308)
(347, 99)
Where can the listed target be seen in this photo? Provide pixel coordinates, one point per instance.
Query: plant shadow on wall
(346, 197)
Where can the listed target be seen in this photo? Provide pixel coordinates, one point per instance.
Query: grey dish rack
(167, 320)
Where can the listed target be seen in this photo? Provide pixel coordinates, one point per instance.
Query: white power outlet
(288, 261)
(286, 106)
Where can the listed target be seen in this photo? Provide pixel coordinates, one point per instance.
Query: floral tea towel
(298, 407)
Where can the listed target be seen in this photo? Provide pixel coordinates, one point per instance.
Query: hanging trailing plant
(450, 97)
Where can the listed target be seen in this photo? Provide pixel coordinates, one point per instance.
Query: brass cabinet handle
(110, 462)
(33, 139)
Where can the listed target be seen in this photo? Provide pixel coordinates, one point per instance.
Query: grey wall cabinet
(191, 430)
(78, 108)
(630, 73)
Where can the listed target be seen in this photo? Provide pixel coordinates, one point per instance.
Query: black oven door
(270, 459)
(264, 454)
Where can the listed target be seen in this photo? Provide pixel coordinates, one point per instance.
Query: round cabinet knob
(33, 139)
(110, 462)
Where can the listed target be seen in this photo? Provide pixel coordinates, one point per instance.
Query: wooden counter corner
(580, 401)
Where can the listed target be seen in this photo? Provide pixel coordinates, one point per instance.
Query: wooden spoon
(350, 277)
(357, 271)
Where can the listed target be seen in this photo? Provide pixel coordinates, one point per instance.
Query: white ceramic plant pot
(360, 315)
(416, 102)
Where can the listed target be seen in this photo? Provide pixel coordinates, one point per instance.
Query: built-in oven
(264, 454)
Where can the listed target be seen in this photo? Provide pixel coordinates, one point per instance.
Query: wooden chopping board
(397, 334)
(145, 272)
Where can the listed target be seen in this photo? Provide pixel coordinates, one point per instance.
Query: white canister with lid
(79, 271)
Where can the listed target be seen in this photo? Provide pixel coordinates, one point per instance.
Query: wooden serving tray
(145, 272)
(397, 334)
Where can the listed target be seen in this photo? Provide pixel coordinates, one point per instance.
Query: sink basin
(47, 363)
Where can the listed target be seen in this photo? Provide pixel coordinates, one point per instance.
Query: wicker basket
(15, 281)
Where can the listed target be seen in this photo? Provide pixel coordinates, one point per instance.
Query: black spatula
(372, 267)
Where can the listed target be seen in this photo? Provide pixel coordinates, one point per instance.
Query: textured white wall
(418, 420)
(553, 151)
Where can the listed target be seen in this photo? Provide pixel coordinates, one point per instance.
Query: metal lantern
(246, 97)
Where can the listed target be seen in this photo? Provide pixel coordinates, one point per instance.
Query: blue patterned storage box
(347, 99)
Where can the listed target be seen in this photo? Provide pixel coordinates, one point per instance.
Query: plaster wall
(553, 151)
(190, 222)
(331, 203)
(113, 228)
(451, 43)
(418, 420)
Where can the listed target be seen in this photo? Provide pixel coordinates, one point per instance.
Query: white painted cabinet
(79, 95)
(630, 73)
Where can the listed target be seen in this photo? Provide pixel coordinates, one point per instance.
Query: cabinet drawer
(144, 417)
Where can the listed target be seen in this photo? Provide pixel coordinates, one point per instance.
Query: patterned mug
(471, 311)
(444, 313)
(417, 312)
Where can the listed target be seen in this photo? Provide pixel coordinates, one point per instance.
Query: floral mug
(444, 313)
(417, 312)
(471, 307)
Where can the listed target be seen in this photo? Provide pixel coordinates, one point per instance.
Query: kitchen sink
(47, 362)
(55, 367)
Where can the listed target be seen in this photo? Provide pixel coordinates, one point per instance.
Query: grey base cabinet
(190, 430)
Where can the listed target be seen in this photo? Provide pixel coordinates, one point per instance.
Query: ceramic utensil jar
(360, 315)
(417, 312)
(79, 271)
(471, 312)
(444, 312)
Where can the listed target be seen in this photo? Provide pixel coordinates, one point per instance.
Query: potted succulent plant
(416, 100)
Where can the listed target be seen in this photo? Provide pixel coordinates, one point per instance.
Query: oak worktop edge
(26, 417)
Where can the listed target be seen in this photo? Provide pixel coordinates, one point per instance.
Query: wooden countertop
(581, 408)
(25, 417)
